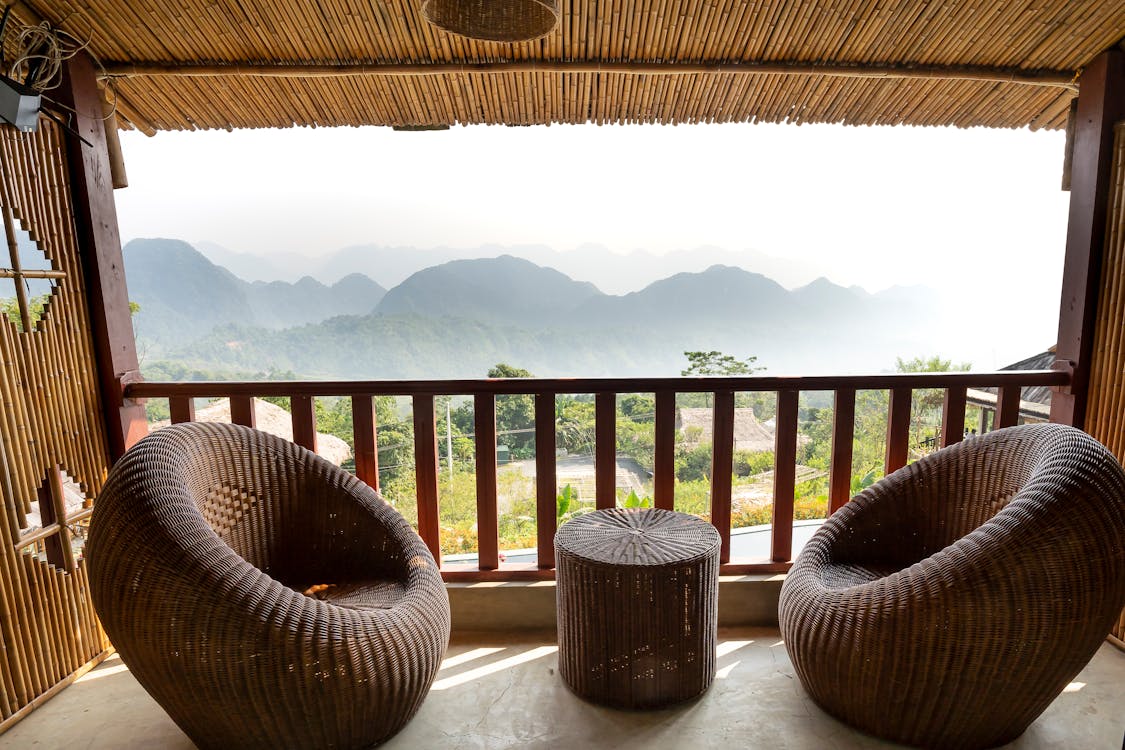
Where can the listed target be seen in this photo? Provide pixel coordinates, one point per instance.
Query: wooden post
(1101, 103)
(303, 414)
(605, 450)
(953, 417)
(366, 441)
(898, 430)
(426, 473)
(488, 532)
(181, 409)
(1007, 406)
(664, 451)
(546, 479)
(242, 411)
(99, 243)
(843, 437)
(784, 474)
(722, 468)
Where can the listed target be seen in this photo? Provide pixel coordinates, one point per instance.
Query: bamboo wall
(1105, 417)
(51, 417)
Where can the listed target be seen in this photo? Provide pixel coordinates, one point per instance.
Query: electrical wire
(41, 51)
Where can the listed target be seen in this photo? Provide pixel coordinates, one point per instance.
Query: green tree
(35, 307)
(515, 414)
(717, 363)
(502, 370)
(929, 364)
(926, 403)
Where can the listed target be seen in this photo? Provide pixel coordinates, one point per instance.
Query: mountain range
(183, 296)
(458, 318)
(613, 273)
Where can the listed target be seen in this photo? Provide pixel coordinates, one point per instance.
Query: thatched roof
(749, 434)
(1035, 400)
(258, 63)
(274, 420)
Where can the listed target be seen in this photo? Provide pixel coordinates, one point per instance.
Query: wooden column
(488, 532)
(99, 242)
(605, 450)
(1101, 103)
(366, 440)
(426, 473)
(546, 479)
(843, 440)
(784, 474)
(722, 468)
(664, 451)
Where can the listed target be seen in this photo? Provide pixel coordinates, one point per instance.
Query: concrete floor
(495, 694)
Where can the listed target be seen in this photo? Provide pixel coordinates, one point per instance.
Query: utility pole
(449, 437)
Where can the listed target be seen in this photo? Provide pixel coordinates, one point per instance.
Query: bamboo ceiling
(183, 64)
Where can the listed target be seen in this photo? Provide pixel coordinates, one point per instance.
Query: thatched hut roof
(749, 434)
(278, 63)
(274, 420)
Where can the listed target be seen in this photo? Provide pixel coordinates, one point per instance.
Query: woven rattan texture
(637, 599)
(494, 20)
(201, 544)
(949, 604)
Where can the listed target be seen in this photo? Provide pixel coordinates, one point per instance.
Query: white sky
(870, 206)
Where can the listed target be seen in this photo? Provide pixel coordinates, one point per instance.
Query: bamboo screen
(51, 426)
(1105, 418)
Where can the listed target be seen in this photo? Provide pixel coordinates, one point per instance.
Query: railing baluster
(784, 475)
(898, 429)
(426, 472)
(605, 449)
(1007, 406)
(664, 451)
(953, 416)
(722, 467)
(242, 411)
(181, 409)
(488, 530)
(546, 393)
(303, 412)
(366, 440)
(546, 481)
(843, 436)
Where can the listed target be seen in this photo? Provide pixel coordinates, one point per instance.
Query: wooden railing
(544, 391)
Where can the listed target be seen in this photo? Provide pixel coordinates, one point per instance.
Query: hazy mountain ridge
(505, 291)
(458, 318)
(613, 273)
(183, 295)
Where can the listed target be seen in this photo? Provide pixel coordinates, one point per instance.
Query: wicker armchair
(949, 604)
(201, 544)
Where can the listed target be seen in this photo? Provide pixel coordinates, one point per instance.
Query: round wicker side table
(637, 600)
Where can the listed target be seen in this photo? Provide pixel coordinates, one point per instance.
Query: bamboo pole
(1048, 78)
(16, 273)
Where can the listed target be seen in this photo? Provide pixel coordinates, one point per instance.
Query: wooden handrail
(498, 386)
(490, 567)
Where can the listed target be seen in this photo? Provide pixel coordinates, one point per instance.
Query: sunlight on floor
(498, 666)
